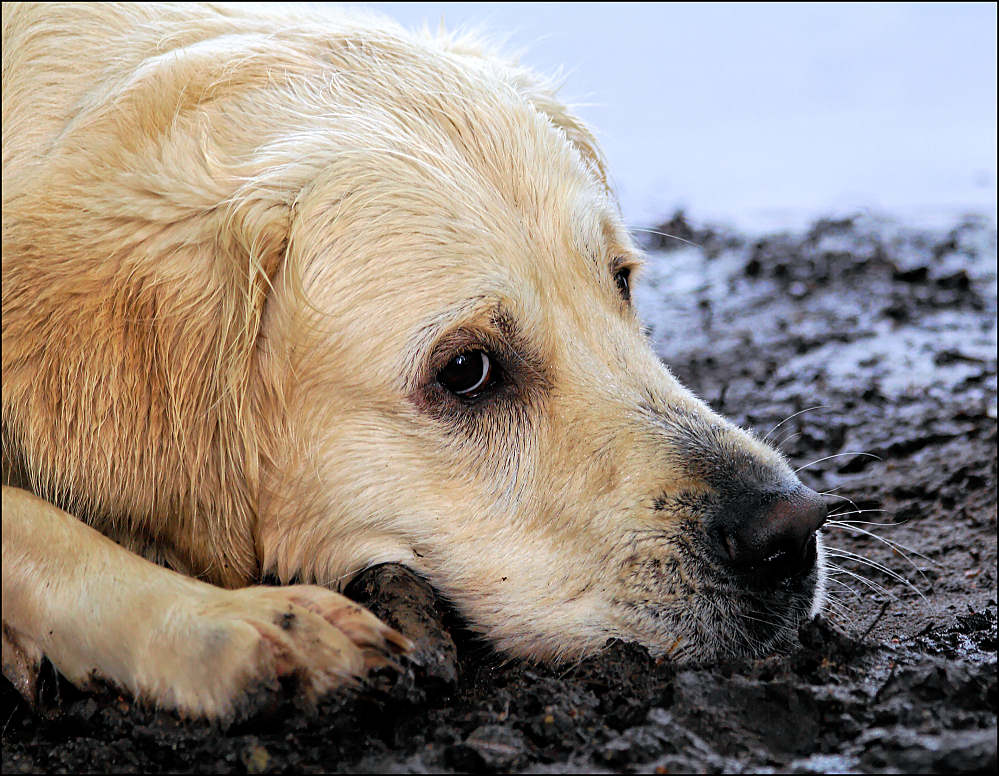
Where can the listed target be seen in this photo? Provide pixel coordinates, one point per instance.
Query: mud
(871, 347)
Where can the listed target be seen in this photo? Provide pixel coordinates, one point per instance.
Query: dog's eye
(621, 277)
(467, 374)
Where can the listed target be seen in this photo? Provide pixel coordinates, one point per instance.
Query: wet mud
(867, 350)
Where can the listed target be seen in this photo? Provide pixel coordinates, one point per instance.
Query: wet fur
(237, 252)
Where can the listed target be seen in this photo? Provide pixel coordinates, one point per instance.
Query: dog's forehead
(496, 166)
(571, 233)
(528, 264)
(531, 203)
(458, 201)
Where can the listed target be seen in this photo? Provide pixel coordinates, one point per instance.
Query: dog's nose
(776, 541)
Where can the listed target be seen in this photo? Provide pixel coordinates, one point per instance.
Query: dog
(294, 295)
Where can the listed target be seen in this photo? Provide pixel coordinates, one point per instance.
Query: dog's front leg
(100, 612)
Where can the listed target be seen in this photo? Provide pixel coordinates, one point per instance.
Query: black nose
(775, 540)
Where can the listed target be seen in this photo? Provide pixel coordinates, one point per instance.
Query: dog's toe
(352, 619)
(22, 659)
(300, 639)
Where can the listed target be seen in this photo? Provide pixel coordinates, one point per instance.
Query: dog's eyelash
(622, 277)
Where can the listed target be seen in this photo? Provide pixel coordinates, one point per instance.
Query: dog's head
(455, 378)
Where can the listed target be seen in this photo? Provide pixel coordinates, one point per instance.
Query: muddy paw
(253, 646)
(22, 659)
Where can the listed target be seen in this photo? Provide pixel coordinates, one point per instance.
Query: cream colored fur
(237, 245)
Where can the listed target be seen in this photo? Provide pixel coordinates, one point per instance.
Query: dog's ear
(254, 237)
(254, 234)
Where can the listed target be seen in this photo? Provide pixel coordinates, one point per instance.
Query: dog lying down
(293, 296)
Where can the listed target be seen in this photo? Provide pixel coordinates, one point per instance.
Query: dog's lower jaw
(730, 619)
(692, 625)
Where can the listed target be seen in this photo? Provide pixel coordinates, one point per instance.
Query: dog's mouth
(690, 607)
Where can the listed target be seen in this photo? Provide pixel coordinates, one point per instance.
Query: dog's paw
(250, 647)
(22, 659)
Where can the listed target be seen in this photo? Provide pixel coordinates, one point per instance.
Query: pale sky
(769, 114)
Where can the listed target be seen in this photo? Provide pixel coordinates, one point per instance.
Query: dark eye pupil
(466, 372)
(621, 278)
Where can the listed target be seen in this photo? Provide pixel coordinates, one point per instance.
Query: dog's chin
(748, 627)
(731, 615)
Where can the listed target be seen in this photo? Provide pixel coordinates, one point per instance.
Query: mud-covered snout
(769, 537)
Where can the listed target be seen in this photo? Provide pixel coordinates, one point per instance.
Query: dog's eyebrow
(617, 240)
(471, 314)
(601, 237)
(479, 322)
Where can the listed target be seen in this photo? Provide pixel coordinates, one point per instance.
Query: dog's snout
(776, 540)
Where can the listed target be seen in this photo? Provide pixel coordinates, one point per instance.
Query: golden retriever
(295, 294)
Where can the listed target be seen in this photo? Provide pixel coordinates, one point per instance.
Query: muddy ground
(879, 343)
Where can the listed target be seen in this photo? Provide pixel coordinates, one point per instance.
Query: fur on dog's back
(151, 180)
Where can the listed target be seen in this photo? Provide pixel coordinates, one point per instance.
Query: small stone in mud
(490, 747)
(255, 758)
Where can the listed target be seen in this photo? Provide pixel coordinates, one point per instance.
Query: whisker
(786, 439)
(335, 582)
(664, 234)
(839, 552)
(836, 552)
(845, 586)
(527, 366)
(834, 602)
(897, 548)
(879, 589)
(836, 495)
(839, 609)
(859, 512)
(796, 414)
(848, 525)
(864, 522)
(837, 455)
